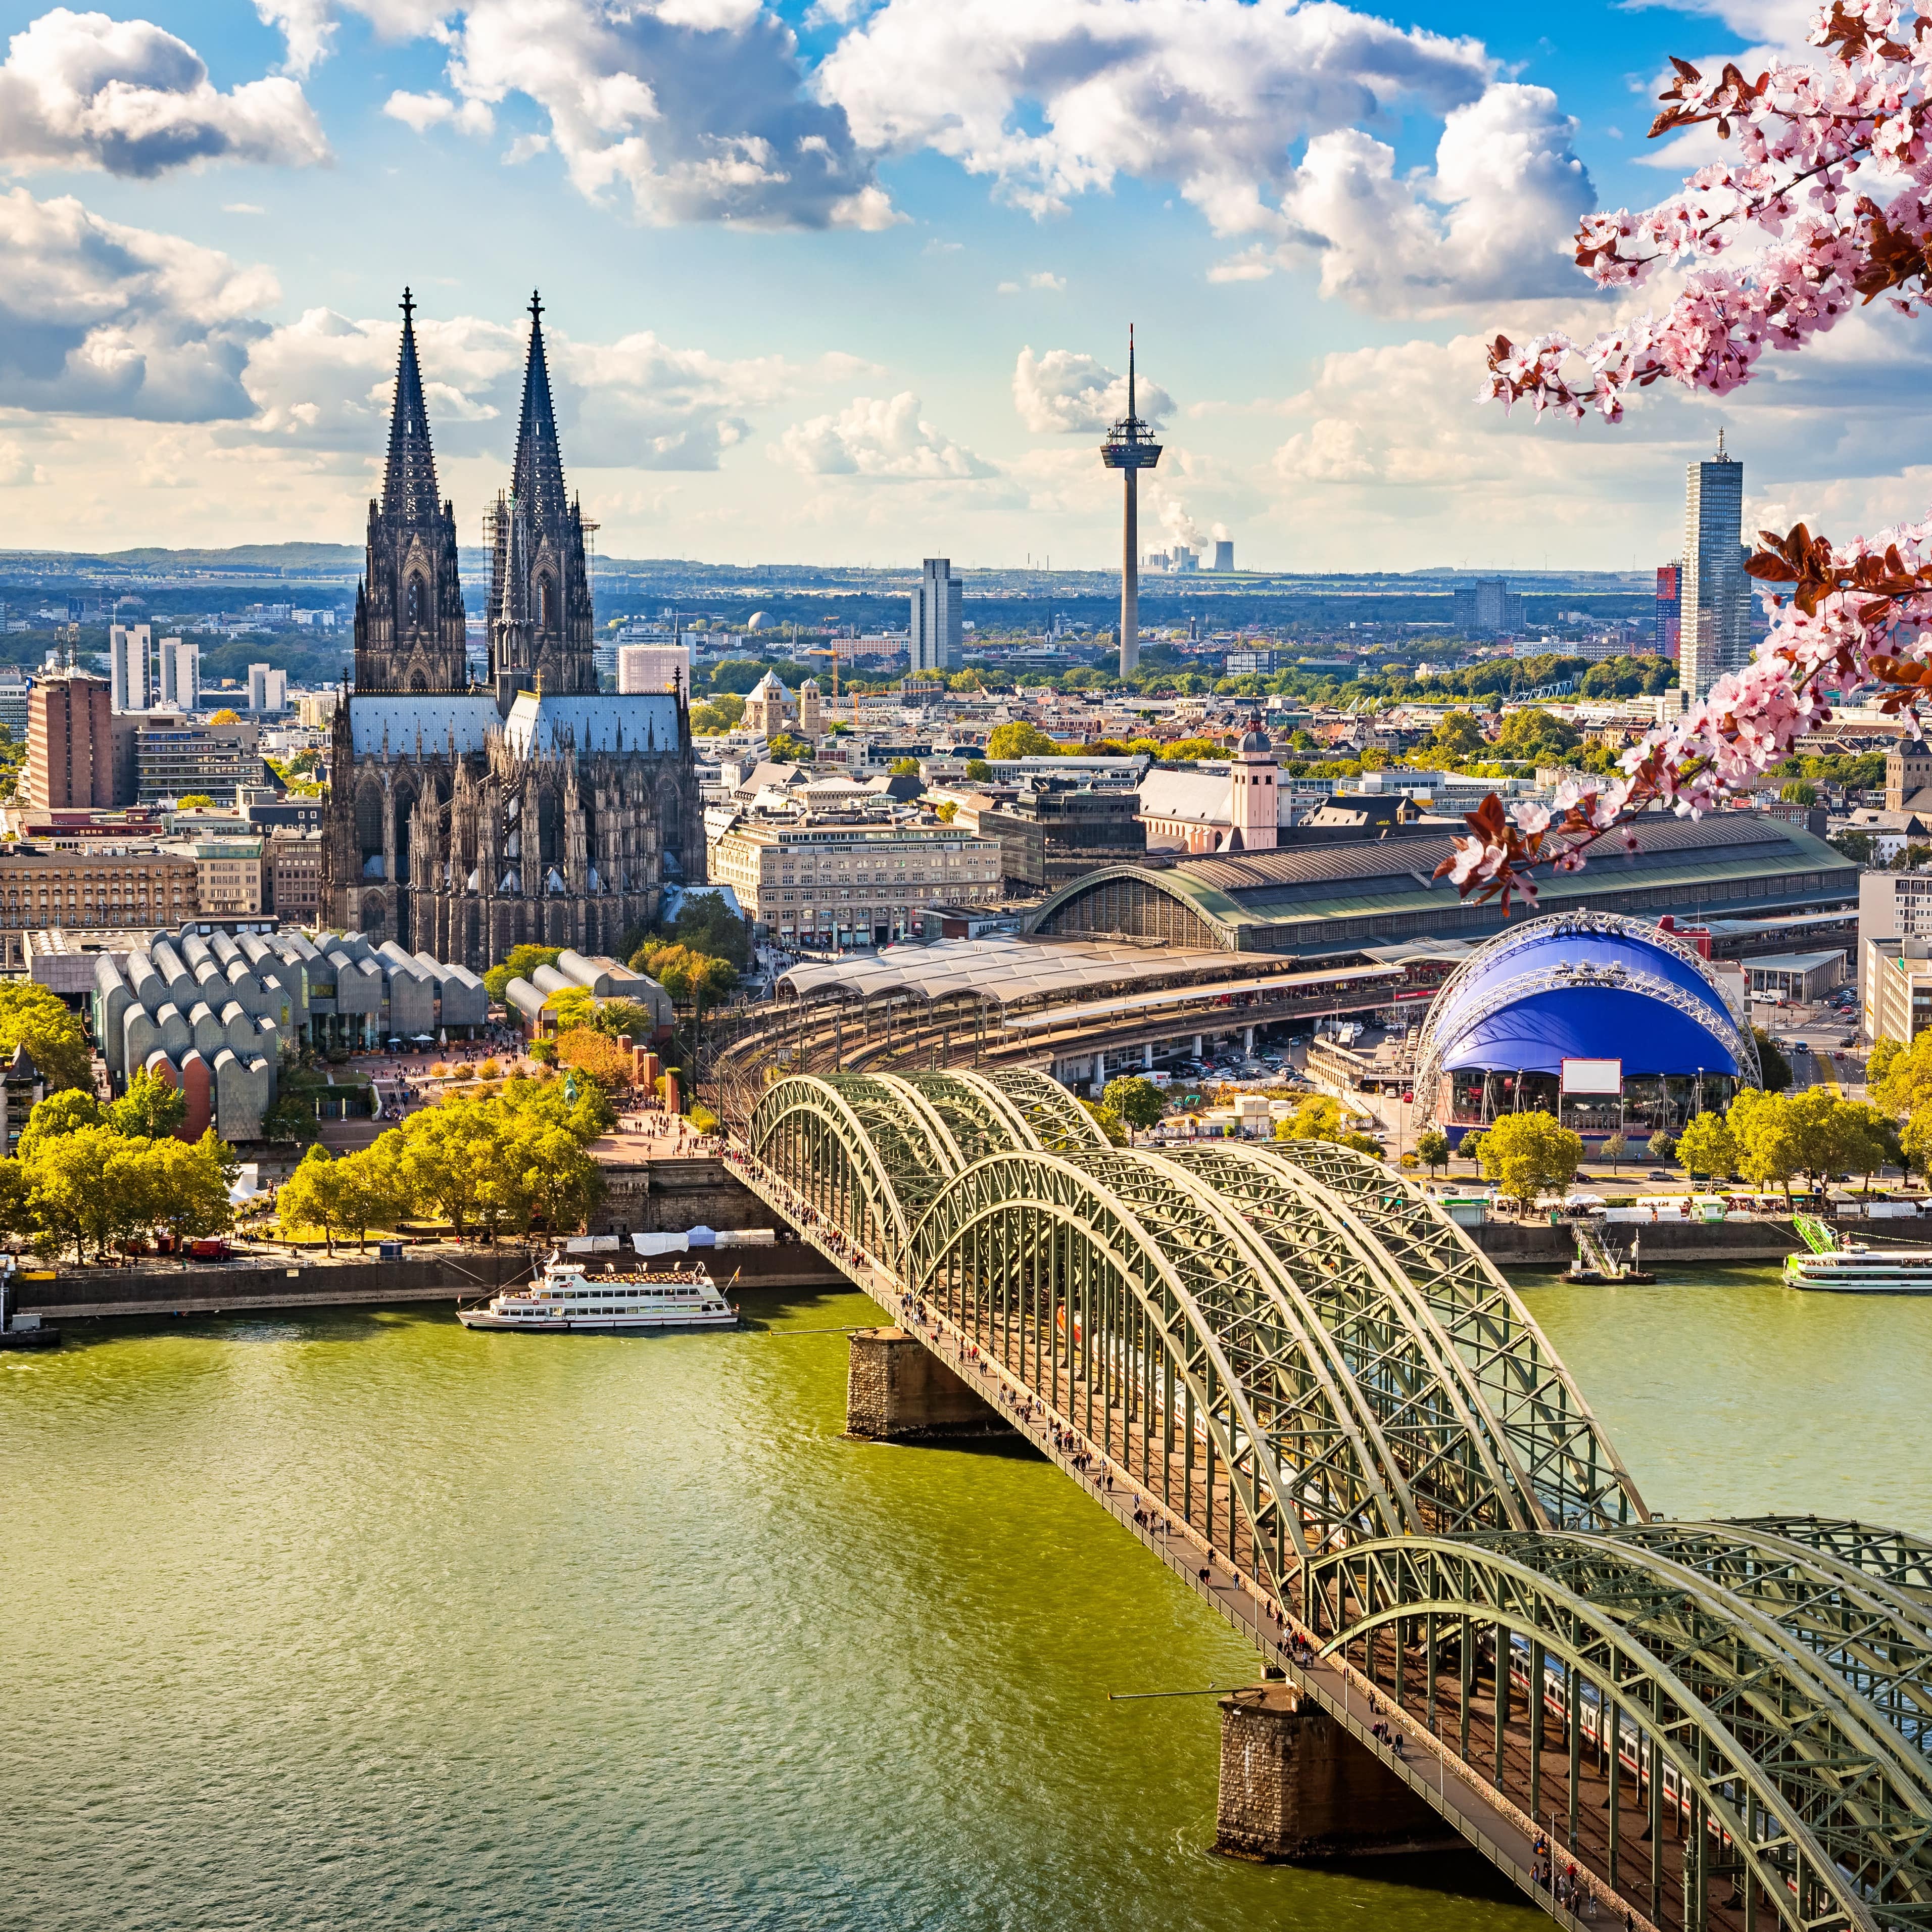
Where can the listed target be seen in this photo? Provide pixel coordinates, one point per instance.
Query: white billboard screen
(1593, 1076)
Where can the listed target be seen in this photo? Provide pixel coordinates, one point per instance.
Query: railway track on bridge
(1291, 1378)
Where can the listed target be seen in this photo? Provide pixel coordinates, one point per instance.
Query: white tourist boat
(1856, 1270)
(564, 1296)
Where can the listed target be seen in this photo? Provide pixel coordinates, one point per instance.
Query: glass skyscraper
(1714, 599)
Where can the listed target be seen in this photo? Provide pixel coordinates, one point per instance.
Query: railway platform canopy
(1015, 974)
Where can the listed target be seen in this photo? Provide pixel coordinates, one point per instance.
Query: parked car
(1661, 1173)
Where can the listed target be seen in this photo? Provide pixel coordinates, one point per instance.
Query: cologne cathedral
(465, 819)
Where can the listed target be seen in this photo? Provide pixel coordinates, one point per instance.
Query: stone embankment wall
(440, 1275)
(1537, 1244)
(667, 1197)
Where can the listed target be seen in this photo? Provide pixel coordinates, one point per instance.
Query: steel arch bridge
(1291, 1350)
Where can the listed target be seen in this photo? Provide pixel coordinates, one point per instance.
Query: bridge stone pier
(1296, 1787)
(898, 1390)
(1299, 1385)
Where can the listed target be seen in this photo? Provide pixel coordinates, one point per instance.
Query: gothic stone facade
(466, 820)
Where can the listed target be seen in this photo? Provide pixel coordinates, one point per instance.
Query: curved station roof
(1584, 986)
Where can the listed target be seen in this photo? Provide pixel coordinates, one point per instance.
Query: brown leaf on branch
(1893, 257)
(1850, 36)
(1800, 560)
(1736, 92)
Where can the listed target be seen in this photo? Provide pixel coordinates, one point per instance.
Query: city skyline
(905, 348)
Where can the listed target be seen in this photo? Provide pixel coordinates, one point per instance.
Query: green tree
(1797, 792)
(1769, 1152)
(1019, 739)
(519, 963)
(150, 1109)
(32, 1017)
(722, 712)
(1432, 1148)
(1318, 1116)
(200, 801)
(782, 747)
(1536, 736)
(71, 1196)
(1616, 1149)
(904, 768)
(1772, 1065)
(1457, 737)
(706, 923)
(978, 772)
(1138, 1103)
(1109, 1123)
(58, 1114)
(1529, 1154)
(312, 1196)
(188, 1186)
(1708, 1147)
(368, 1196)
(618, 1018)
(1661, 1146)
(1880, 1060)
(292, 1119)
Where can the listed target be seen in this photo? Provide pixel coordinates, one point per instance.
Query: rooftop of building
(1385, 881)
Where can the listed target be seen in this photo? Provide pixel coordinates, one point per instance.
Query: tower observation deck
(1130, 449)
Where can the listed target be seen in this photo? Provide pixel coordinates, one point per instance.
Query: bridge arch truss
(1292, 1349)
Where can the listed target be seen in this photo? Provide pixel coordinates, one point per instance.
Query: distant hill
(242, 556)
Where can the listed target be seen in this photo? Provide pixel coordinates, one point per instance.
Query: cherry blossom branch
(1852, 618)
(1811, 140)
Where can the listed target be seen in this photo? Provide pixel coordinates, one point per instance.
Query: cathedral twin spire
(409, 493)
(536, 478)
(410, 618)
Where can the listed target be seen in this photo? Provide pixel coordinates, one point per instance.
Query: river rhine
(361, 1620)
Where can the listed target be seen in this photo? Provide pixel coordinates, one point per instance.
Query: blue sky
(850, 281)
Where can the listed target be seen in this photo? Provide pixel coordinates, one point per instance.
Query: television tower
(1130, 449)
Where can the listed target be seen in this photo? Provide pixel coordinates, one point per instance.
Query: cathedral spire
(408, 486)
(537, 480)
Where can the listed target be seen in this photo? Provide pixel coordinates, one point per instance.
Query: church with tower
(465, 818)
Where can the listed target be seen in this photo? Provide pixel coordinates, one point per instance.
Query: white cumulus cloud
(324, 381)
(422, 111)
(690, 110)
(100, 319)
(83, 91)
(1492, 222)
(884, 439)
(1061, 392)
(1058, 98)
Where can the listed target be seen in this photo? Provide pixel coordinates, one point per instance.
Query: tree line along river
(358, 1618)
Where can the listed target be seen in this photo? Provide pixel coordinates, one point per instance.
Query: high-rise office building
(129, 686)
(1714, 625)
(936, 631)
(267, 688)
(180, 673)
(1487, 606)
(70, 743)
(1669, 627)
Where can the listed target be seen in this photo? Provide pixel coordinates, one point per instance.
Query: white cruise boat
(564, 1297)
(1855, 1270)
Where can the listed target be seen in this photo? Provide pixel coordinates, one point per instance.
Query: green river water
(357, 1619)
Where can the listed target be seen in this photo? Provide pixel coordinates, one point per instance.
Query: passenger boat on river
(564, 1297)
